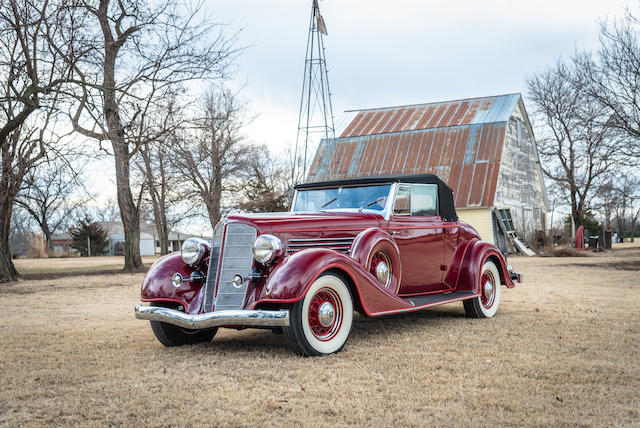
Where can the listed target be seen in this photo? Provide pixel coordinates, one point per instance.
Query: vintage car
(380, 245)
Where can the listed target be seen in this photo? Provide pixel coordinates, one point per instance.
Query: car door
(417, 229)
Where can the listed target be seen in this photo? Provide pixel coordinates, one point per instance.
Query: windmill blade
(321, 25)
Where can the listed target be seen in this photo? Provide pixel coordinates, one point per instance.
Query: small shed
(483, 148)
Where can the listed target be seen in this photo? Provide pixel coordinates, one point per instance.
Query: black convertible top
(445, 194)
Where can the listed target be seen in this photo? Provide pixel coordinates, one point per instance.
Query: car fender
(157, 285)
(475, 255)
(375, 239)
(290, 280)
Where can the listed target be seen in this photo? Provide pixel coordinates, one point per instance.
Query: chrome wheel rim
(325, 314)
(381, 268)
(488, 289)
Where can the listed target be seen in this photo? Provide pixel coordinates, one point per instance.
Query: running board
(430, 300)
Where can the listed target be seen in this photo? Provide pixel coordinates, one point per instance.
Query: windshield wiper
(370, 203)
(328, 203)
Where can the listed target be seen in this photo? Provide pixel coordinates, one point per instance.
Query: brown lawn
(563, 350)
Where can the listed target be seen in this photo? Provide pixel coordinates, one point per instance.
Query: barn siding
(520, 183)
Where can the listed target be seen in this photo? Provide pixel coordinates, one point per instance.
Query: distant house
(61, 245)
(115, 238)
(149, 245)
(176, 239)
(483, 148)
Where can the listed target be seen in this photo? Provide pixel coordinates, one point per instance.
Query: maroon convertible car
(380, 246)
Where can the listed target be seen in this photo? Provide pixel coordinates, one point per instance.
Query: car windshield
(365, 197)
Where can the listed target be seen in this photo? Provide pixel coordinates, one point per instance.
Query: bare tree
(605, 193)
(46, 196)
(612, 77)
(107, 211)
(34, 79)
(21, 232)
(269, 188)
(215, 156)
(627, 195)
(162, 190)
(575, 140)
(136, 53)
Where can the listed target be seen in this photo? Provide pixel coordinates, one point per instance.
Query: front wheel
(171, 335)
(485, 305)
(320, 323)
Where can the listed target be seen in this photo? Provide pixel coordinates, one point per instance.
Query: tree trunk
(8, 271)
(161, 226)
(8, 192)
(158, 202)
(47, 238)
(115, 132)
(212, 201)
(214, 213)
(128, 210)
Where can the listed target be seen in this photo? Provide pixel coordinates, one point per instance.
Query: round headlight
(192, 250)
(267, 248)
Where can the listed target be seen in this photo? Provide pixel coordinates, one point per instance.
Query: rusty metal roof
(459, 141)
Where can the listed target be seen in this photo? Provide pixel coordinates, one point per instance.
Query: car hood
(315, 222)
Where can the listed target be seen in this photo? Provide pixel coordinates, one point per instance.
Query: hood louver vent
(339, 244)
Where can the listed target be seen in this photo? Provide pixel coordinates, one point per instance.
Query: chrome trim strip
(256, 318)
(339, 249)
(301, 240)
(320, 244)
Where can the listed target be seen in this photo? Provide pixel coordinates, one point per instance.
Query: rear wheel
(171, 335)
(485, 305)
(320, 323)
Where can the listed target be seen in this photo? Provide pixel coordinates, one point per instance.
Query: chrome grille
(237, 258)
(342, 244)
(214, 259)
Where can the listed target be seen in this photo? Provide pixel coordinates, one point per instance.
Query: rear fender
(476, 254)
(289, 281)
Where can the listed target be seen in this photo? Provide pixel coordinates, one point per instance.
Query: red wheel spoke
(322, 332)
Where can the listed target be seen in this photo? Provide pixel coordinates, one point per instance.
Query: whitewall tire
(485, 305)
(320, 323)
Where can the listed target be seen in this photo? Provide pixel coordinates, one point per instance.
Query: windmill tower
(315, 119)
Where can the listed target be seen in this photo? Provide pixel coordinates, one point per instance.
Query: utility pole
(316, 112)
(88, 246)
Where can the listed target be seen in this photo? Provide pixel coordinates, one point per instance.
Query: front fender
(476, 254)
(157, 285)
(289, 281)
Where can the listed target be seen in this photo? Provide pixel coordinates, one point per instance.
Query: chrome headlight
(193, 250)
(267, 248)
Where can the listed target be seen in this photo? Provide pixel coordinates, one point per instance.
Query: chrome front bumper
(257, 318)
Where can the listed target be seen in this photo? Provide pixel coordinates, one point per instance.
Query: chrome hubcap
(326, 314)
(488, 290)
(382, 272)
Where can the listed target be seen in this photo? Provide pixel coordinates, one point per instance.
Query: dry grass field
(562, 351)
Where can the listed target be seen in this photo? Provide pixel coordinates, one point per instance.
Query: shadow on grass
(71, 274)
(363, 330)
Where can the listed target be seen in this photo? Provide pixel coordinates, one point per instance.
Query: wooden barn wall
(520, 182)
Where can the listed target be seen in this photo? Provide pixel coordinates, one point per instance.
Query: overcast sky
(384, 53)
